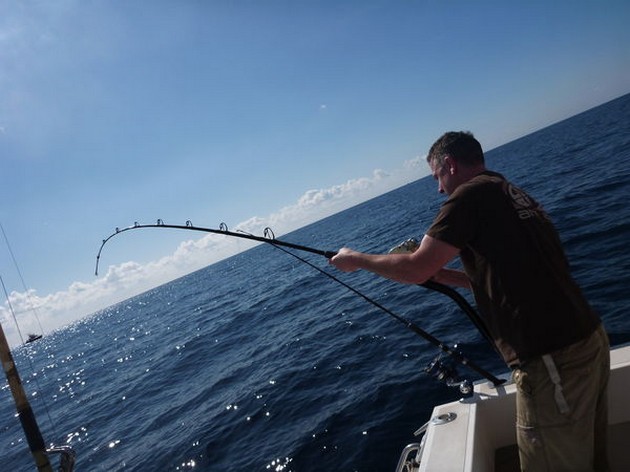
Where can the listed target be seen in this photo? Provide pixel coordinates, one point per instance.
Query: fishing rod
(223, 229)
(270, 238)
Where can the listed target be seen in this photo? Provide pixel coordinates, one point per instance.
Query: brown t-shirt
(517, 267)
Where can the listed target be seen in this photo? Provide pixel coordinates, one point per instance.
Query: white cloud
(416, 164)
(130, 278)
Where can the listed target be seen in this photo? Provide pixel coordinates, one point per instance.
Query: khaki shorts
(561, 408)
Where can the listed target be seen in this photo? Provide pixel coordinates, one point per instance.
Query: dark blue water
(260, 363)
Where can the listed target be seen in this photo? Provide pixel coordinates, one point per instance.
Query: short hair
(460, 145)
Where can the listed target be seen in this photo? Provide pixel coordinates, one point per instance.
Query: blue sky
(254, 113)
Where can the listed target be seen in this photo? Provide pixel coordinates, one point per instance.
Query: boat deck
(506, 458)
(479, 433)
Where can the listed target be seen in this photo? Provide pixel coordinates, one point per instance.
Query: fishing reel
(444, 370)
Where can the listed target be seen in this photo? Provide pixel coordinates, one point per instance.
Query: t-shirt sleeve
(456, 221)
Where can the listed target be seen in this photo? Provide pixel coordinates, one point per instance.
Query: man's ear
(450, 165)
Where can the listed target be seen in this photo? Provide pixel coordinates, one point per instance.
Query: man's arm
(414, 268)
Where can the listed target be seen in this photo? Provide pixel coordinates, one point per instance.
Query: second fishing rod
(269, 238)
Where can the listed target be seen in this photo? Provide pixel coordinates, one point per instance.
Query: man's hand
(344, 260)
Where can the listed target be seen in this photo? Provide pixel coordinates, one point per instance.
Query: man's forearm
(398, 267)
(413, 268)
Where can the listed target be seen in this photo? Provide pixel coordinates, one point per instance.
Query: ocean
(262, 363)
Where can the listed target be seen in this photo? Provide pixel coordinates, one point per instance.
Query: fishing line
(17, 325)
(269, 238)
(19, 272)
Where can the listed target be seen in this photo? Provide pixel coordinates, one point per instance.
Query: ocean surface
(261, 363)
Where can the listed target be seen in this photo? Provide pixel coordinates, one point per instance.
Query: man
(540, 321)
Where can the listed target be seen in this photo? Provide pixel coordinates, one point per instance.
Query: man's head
(455, 158)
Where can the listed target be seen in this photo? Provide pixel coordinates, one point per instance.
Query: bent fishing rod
(223, 229)
(270, 238)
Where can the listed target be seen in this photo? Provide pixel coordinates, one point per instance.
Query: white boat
(33, 338)
(477, 434)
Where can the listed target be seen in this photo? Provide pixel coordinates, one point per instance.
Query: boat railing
(410, 456)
